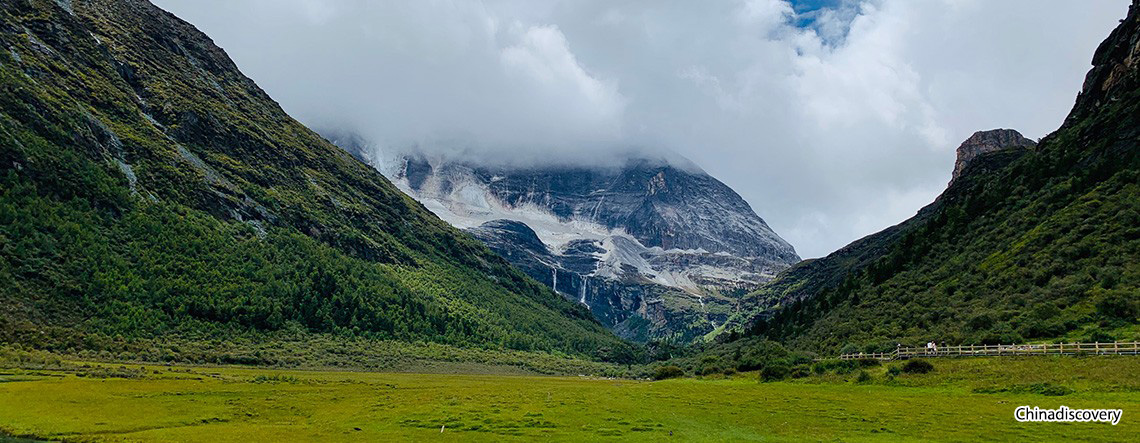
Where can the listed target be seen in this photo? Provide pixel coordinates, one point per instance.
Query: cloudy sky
(833, 118)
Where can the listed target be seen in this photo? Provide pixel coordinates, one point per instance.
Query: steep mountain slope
(149, 189)
(657, 249)
(1027, 243)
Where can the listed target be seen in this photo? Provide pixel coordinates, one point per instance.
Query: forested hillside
(149, 189)
(1030, 243)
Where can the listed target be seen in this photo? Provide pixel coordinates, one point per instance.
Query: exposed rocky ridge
(1116, 68)
(983, 142)
(658, 204)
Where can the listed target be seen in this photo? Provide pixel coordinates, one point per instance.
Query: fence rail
(905, 352)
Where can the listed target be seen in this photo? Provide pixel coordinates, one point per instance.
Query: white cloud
(831, 132)
(767, 14)
(542, 59)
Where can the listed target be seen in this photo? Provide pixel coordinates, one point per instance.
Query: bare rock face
(984, 142)
(1116, 68)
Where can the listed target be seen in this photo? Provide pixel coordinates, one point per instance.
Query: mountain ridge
(1024, 244)
(150, 189)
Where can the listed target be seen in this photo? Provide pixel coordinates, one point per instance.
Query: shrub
(758, 354)
(1100, 337)
(1049, 389)
(275, 379)
(1116, 305)
(665, 372)
(917, 367)
(1032, 327)
(774, 372)
(838, 366)
(802, 359)
(871, 348)
(863, 377)
(845, 366)
(710, 364)
(894, 371)
(981, 322)
(801, 371)
(729, 372)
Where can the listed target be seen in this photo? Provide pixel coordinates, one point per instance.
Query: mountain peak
(654, 246)
(983, 142)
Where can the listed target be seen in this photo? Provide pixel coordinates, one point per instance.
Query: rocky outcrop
(984, 142)
(1116, 68)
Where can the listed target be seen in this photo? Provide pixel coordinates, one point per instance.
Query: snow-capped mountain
(655, 248)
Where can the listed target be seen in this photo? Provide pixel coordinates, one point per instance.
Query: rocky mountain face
(655, 249)
(633, 307)
(658, 204)
(1024, 244)
(149, 189)
(983, 142)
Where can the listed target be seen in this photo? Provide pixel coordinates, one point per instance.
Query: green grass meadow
(962, 400)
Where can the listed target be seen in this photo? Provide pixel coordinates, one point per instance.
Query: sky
(834, 119)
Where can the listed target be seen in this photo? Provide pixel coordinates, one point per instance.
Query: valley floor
(962, 400)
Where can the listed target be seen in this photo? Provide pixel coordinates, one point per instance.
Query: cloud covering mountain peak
(841, 119)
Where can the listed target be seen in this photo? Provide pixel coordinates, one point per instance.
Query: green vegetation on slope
(148, 189)
(1026, 245)
(92, 402)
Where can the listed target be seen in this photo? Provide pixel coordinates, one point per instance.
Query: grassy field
(962, 400)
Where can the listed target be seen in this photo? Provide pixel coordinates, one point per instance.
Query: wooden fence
(905, 352)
